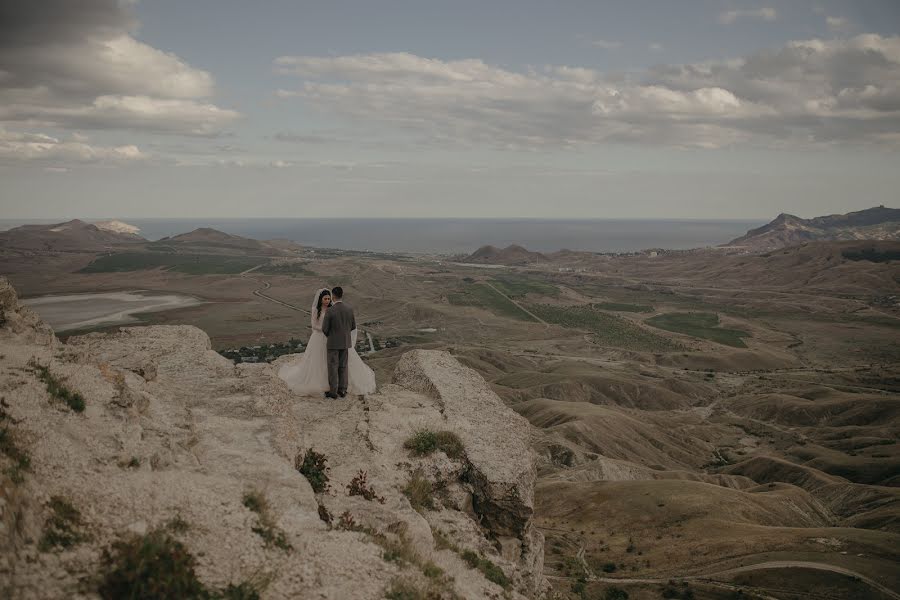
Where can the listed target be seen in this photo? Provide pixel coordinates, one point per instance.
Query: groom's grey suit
(338, 323)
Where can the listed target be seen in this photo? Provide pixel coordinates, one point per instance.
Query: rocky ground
(147, 434)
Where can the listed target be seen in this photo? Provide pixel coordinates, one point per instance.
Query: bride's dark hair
(322, 294)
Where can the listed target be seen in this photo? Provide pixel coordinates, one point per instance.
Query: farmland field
(483, 296)
(700, 325)
(608, 330)
(192, 264)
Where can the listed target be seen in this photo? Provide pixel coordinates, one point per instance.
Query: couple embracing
(330, 363)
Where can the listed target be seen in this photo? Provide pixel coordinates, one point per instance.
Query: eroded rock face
(501, 465)
(496, 438)
(171, 429)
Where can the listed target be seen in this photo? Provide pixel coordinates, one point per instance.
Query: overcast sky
(633, 108)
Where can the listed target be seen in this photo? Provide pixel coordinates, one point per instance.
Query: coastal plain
(708, 424)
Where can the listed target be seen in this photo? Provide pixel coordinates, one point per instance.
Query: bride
(308, 375)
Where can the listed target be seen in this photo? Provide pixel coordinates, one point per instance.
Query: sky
(713, 109)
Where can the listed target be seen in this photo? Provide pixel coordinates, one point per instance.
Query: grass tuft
(21, 462)
(265, 527)
(419, 491)
(424, 442)
(490, 571)
(57, 389)
(61, 529)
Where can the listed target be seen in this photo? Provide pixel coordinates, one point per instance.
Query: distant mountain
(511, 255)
(117, 226)
(71, 236)
(878, 223)
(206, 239)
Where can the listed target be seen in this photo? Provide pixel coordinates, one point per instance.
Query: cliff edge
(115, 442)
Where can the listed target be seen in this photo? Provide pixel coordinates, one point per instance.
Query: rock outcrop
(171, 432)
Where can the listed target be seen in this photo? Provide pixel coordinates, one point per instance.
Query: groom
(339, 322)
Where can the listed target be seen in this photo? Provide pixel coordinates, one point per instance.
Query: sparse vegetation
(402, 588)
(57, 389)
(19, 459)
(486, 297)
(265, 527)
(424, 442)
(62, 528)
(517, 286)
(608, 330)
(700, 325)
(623, 307)
(872, 255)
(419, 491)
(359, 486)
(490, 571)
(156, 566)
(615, 593)
(312, 465)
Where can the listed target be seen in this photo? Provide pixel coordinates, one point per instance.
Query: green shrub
(150, 567)
(313, 466)
(61, 529)
(614, 593)
(419, 491)
(424, 442)
(405, 589)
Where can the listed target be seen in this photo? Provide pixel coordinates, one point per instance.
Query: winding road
(267, 285)
(775, 564)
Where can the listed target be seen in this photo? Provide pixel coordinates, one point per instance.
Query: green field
(608, 330)
(518, 286)
(700, 325)
(483, 296)
(621, 307)
(193, 264)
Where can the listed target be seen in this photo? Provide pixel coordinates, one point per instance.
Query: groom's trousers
(337, 370)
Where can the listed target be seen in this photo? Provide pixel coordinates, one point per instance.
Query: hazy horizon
(714, 109)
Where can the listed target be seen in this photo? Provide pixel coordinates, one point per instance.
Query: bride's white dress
(308, 375)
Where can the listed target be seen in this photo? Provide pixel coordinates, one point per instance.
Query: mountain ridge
(876, 223)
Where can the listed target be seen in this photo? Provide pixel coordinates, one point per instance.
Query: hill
(511, 255)
(878, 223)
(206, 239)
(71, 236)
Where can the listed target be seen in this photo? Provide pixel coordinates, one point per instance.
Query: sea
(459, 236)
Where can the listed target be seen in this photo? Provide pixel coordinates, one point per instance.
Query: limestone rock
(172, 429)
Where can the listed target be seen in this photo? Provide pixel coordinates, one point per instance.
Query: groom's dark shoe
(342, 394)
(331, 395)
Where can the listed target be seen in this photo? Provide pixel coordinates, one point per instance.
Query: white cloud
(656, 47)
(36, 147)
(730, 16)
(77, 65)
(813, 90)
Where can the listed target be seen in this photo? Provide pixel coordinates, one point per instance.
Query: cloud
(837, 23)
(730, 16)
(76, 64)
(656, 47)
(35, 147)
(807, 91)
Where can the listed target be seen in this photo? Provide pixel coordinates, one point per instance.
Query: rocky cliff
(115, 446)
